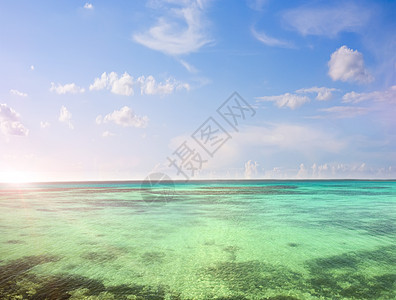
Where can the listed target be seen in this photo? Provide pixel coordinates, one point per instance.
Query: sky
(194, 89)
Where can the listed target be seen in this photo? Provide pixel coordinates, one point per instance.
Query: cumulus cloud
(18, 93)
(302, 172)
(149, 86)
(182, 30)
(322, 93)
(88, 6)
(124, 117)
(292, 101)
(328, 21)
(120, 85)
(69, 88)
(335, 170)
(348, 65)
(251, 169)
(44, 124)
(270, 41)
(10, 122)
(124, 84)
(65, 116)
(388, 96)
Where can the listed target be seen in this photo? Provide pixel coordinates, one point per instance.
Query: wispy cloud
(291, 101)
(107, 133)
(348, 65)
(69, 88)
(65, 117)
(329, 20)
(388, 96)
(18, 93)
(257, 5)
(342, 112)
(270, 41)
(10, 122)
(190, 68)
(124, 117)
(180, 31)
(322, 93)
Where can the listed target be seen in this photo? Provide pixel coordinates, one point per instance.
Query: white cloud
(335, 170)
(328, 21)
(377, 96)
(257, 4)
(107, 134)
(71, 88)
(65, 116)
(341, 112)
(251, 169)
(88, 6)
(348, 65)
(32, 67)
(44, 124)
(149, 86)
(119, 85)
(302, 172)
(270, 41)
(188, 66)
(286, 100)
(10, 122)
(323, 93)
(124, 84)
(181, 31)
(99, 120)
(124, 117)
(18, 93)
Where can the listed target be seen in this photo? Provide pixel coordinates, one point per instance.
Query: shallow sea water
(210, 240)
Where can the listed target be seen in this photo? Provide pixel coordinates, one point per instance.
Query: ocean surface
(202, 240)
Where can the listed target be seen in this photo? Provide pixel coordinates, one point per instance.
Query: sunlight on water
(224, 240)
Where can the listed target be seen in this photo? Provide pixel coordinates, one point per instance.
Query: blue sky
(107, 90)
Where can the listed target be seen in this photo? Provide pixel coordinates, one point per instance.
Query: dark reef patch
(98, 256)
(293, 245)
(253, 277)
(337, 276)
(153, 257)
(15, 242)
(16, 282)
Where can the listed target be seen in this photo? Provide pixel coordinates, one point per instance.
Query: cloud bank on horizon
(101, 91)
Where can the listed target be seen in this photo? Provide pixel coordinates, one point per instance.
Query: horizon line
(199, 180)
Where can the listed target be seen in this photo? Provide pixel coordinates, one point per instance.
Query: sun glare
(16, 177)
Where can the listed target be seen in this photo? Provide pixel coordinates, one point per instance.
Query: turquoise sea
(205, 240)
